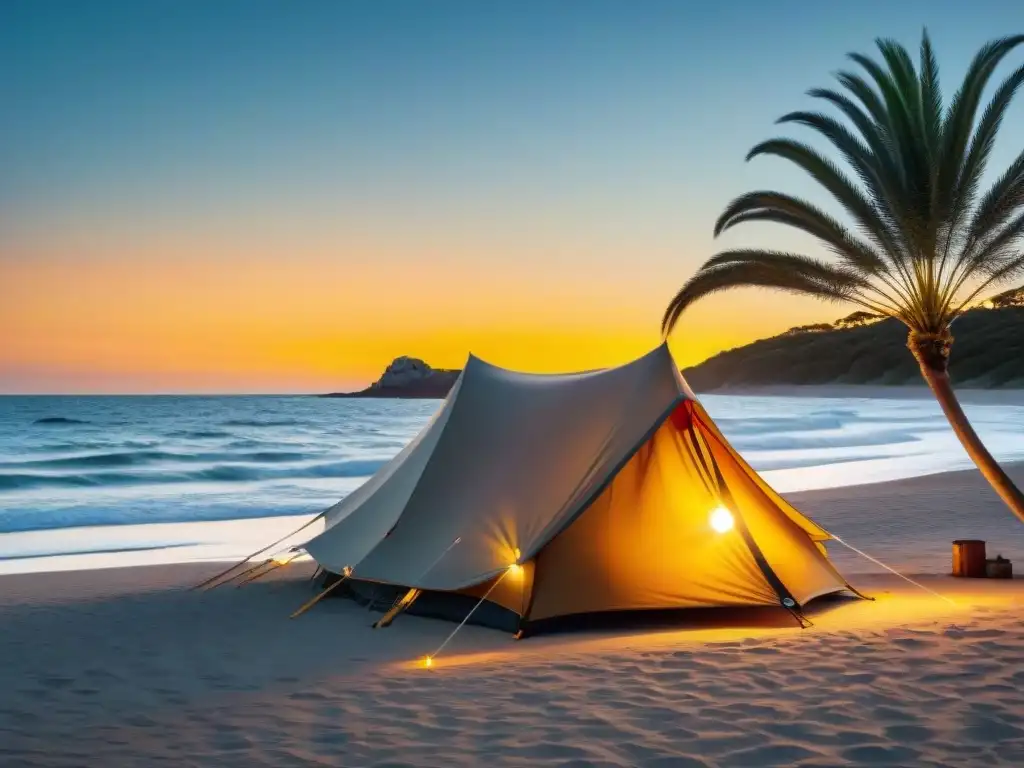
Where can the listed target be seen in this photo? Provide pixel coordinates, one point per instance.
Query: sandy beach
(127, 667)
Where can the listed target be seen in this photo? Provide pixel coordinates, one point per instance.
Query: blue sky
(546, 141)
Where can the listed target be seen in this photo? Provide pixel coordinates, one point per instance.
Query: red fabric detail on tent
(682, 416)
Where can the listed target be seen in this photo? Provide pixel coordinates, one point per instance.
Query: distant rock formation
(408, 377)
(988, 353)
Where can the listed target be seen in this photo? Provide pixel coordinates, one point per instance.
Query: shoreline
(844, 508)
(966, 395)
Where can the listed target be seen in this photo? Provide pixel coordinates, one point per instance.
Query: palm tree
(924, 242)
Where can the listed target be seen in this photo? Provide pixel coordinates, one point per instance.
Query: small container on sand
(1000, 568)
(969, 558)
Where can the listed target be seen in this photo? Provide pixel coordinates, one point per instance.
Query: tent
(572, 495)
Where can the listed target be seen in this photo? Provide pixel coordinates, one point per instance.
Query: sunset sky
(253, 196)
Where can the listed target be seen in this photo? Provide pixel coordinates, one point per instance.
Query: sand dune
(128, 667)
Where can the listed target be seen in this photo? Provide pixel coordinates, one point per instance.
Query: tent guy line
(892, 570)
(514, 568)
(278, 561)
(217, 577)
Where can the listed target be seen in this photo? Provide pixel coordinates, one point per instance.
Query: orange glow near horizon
(228, 320)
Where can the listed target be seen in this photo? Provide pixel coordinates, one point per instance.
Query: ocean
(97, 481)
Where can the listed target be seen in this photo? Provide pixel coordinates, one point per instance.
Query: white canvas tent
(562, 495)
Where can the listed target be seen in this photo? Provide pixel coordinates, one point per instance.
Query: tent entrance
(649, 540)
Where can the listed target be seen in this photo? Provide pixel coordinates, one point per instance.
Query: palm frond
(857, 154)
(871, 132)
(961, 168)
(984, 137)
(1003, 200)
(897, 120)
(1004, 244)
(828, 175)
(766, 269)
(1011, 269)
(931, 100)
(1002, 247)
(785, 209)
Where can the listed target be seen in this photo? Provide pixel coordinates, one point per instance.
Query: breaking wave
(814, 441)
(221, 473)
(140, 458)
(260, 423)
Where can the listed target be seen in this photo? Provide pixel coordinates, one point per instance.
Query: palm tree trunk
(932, 354)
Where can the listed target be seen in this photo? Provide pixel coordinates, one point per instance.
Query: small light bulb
(515, 569)
(721, 519)
(428, 661)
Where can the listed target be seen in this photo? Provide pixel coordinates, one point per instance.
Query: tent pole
(320, 596)
(240, 563)
(407, 599)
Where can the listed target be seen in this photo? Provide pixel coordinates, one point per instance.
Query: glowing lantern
(721, 519)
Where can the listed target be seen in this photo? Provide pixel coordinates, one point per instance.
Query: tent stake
(320, 596)
(240, 563)
(407, 599)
